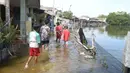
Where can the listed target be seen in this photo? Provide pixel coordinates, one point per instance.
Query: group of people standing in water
(42, 38)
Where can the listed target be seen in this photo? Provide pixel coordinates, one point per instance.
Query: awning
(50, 13)
(49, 10)
(36, 10)
(30, 3)
(83, 18)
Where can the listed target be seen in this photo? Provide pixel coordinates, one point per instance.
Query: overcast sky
(91, 8)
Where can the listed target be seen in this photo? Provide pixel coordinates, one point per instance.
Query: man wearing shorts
(34, 41)
(44, 32)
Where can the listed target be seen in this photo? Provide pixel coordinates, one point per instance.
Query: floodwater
(64, 60)
(49, 61)
(111, 39)
(17, 65)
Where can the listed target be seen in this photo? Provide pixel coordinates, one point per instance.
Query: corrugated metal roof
(49, 10)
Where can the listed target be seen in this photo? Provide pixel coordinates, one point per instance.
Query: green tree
(102, 16)
(59, 13)
(7, 33)
(67, 14)
(118, 18)
(116, 31)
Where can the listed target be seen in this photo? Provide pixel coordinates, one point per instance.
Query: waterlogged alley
(59, 60)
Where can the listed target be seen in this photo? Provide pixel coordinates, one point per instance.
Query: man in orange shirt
(66, 35)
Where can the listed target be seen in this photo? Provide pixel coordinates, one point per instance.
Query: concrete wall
(127, 51)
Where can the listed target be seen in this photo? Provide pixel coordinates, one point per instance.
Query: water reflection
(66, 53)
(111, 38)
(117, 32)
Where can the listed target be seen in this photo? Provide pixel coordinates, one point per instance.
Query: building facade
(19, 11)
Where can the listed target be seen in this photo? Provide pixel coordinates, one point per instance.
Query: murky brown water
(62, 60)
(17, 65)
(56, 57)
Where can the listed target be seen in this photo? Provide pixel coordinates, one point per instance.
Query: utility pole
(23, 19)
(74, 20)
(7, 5)
(62, 11)
(53, 6)
(53, 11)
(70, 7)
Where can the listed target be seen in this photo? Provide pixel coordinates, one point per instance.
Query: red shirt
(59, 28)
(58, 31)
(66, 35)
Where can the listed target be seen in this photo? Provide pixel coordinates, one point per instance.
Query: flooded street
(61, 60)
(49, 61)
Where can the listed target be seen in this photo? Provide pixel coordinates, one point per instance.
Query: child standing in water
(66, 35)
(34, 41)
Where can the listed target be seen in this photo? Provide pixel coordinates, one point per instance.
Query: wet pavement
(65, 60)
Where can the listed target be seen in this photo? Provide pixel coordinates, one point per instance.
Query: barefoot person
(58, 32)
(44, 32)
(66, 35)
(34, 41)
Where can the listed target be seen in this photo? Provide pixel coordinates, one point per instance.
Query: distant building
(49, 10)
(85, 17)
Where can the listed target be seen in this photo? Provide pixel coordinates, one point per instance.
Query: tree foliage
(7, 33)
(117, 31)
(67, 14)
(59, 13)
(118, 18)
(102, 16)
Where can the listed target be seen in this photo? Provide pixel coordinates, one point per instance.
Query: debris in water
(82, 53)
(87, 56)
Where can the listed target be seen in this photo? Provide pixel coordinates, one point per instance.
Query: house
(19, 11)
